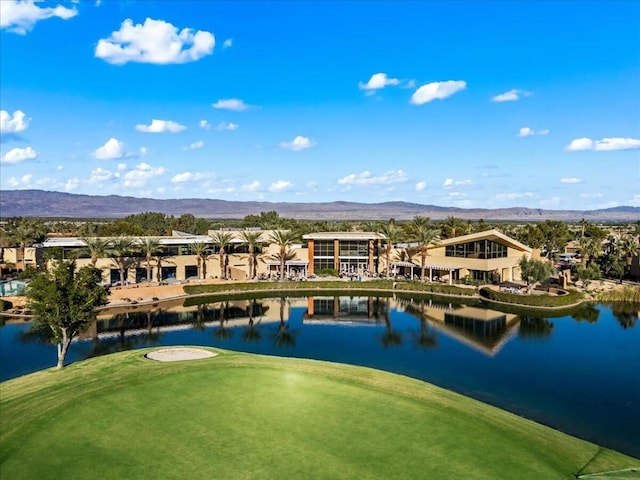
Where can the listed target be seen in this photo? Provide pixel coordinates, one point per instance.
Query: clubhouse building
(484, 257)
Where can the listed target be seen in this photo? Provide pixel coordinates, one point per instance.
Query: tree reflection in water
(251, 333)
(222, 332)
(626, 313)
(283, 335)
(391, 338)
(535, 327)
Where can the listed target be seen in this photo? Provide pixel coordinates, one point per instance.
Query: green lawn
(255, 417)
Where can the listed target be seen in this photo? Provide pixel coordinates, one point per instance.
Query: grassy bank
(541, 301)
(335, 285)
(247, 416)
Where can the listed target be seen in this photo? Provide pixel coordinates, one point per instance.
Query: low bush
(626, 295)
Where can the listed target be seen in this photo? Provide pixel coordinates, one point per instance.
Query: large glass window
(323, 248)
(354, 248)
(483, 249)
(321, 263)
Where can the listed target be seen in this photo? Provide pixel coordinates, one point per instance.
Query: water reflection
(574, 376)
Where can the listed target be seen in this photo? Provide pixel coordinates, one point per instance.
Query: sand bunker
(179, 354)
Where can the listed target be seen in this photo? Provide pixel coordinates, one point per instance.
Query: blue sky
(467, 104)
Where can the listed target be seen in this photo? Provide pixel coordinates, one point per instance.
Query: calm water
(579, 374)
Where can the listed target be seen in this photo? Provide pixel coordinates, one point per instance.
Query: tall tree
(453, 227)
(95, 247)
(392, 233)
(120, 249)
(534, 271)
(426, 236)
(223, 239)
(590, 249)
(556, 236)
(63, 300)
(23, 234)
(251, 238)
(202, 251)
(628, 248)
(283, 240)
(150, 247)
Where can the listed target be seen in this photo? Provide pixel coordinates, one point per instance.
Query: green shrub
(326, 272)
(626, 295)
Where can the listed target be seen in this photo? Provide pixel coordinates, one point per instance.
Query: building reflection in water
(482, 329)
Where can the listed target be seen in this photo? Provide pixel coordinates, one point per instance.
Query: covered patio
(293, 268)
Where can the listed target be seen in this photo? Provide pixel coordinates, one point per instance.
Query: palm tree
(392, 233)
(628, 248)
(149, 246)
(251, 238)
(120, 249)
(590, 249)
(425, 236)
(95, 247)
(223, 239)
(452, 226)
(583, 225)
(283, 239)
(23, 234)
(201, 251)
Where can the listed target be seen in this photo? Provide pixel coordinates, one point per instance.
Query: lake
(576, 373)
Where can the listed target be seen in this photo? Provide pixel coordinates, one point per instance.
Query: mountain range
(41, 203)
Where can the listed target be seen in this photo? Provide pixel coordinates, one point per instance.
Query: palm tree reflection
(390, 338)
(222, 332)
(251, 333)
(283, 336)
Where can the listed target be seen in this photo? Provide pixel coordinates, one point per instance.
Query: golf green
(247, 416)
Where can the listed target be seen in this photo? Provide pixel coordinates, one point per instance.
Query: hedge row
(571, 298)
(328, 285)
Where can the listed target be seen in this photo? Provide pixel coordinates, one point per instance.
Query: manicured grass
(257, 417)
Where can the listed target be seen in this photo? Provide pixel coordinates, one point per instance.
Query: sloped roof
(494, 235)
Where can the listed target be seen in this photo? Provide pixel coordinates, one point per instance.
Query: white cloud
(194, 145)
(155, 41)
(111, 150)
(366, 178)
(60, 167)
(18, 155)
(204, 124)
(141, 174)
(527, 132)
(436, 91)
(511, 96)
(591, 195)
(192, 177)
(570, 180)
(450, 182)
(19, 16)
(298, 143)
(377, 82)
(420, 186)
(13, 123)
(121, 167)
(143, 151)
(71, 184)
(604, 145)
(280, 185)
(228, 126)
(252, 187)
(161, 126)
(100, 175)
(22, 182)
(230, 104)
(227, 43)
